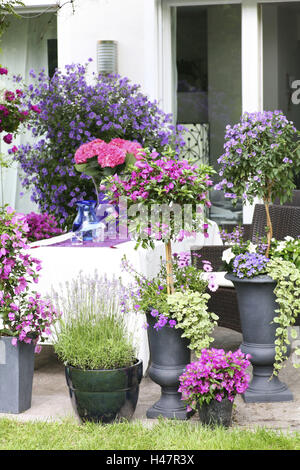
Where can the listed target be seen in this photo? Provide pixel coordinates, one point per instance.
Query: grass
(165, 435)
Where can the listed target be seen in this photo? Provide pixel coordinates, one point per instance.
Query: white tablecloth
(61, 264)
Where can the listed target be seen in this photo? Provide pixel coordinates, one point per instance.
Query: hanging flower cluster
(75, 111)
(216, 375)
(11, 112)
(24, 315)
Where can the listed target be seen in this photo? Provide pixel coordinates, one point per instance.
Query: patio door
(207, 71)
(281, 59)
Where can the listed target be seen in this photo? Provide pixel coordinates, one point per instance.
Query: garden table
(62, 261)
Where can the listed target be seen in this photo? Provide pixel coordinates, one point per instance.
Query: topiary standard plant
(260, 160)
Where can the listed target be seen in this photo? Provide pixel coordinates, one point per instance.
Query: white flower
(288, 238)
(281, 246)
(252, 248)
(228, 255)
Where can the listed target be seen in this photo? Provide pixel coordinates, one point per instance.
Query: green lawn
(166, 435)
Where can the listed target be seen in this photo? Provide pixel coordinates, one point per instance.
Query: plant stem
(96, 190)
(267, 201)
(169, 266)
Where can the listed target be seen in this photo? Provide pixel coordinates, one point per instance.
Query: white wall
(132, 23)
(94, 20)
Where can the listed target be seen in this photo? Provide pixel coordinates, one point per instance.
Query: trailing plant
(92, 332)
(75, 110)
(246, 259)
(287, 291)
(186, 308)
(190, 311)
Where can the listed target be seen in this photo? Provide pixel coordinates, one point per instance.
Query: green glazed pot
(104, 395)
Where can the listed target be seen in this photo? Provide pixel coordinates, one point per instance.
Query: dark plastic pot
(104, 395)
(216, 413)
(16, 375)
(169, 355)
(257, 305)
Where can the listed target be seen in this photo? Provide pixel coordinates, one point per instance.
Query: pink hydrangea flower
(130, 147)
(110, 155)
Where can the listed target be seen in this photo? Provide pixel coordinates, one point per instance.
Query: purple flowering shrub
(216, 375)
(24, 315)
(260, 160)
(41, 226)
(75, 111)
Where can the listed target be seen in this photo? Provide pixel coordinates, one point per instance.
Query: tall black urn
(257, 305)
(169, 355)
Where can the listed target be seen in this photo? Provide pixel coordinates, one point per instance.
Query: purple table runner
(104, 244)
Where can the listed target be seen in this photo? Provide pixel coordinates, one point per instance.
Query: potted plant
(211, 384)
(25, 318)
(176, 323)
(102, 372)
(260, 159)
(175, 192)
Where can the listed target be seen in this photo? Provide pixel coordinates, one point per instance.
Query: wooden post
(170, 280)
(267, 201)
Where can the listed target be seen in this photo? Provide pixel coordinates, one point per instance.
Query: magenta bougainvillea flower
(24, 314)
(216, 375)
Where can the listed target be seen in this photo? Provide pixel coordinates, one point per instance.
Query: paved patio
(50, 399)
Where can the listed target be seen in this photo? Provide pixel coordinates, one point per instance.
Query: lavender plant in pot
(260, 158)
(93, 340)
(156, 190)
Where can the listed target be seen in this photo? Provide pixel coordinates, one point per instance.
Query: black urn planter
(16, 375)
(104, 395)
(169, 355)
(257, 305)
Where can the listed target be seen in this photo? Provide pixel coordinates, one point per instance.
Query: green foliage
(92, 333)
(287, 249)
(190, 311)
(166, 434)
(7, 7)
(287, 292)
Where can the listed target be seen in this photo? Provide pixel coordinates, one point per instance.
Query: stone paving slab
(50, 397)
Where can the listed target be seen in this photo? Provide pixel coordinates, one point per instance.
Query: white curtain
(23, 47)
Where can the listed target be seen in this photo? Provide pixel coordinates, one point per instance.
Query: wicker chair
(285, 221)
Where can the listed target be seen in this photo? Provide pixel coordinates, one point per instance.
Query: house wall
(132, 23)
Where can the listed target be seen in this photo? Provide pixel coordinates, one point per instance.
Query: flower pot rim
(259, 279)
(136, 364)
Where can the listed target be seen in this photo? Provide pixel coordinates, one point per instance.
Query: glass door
(281, 60)
(208, 86)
